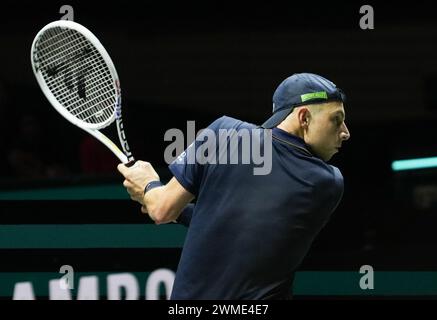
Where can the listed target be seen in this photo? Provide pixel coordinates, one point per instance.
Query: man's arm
(163, 204)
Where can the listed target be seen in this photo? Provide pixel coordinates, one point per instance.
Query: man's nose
(345, 134)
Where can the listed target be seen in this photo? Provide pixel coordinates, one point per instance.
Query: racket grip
(130, 163)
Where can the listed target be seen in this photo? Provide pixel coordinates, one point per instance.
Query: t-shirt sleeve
(188, 168)
(186, 215)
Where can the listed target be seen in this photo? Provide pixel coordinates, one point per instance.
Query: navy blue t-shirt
(248, 233)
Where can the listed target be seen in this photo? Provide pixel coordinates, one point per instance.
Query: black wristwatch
(151, 185)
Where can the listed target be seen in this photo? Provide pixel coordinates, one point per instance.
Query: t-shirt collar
(291, 138)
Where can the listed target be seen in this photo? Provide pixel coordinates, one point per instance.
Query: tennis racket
(79, 79)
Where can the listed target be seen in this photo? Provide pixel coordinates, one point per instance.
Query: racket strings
(94, 85)
(93, 81)
(93, 109)
(56, 47)
(76, 74)
(65, 38)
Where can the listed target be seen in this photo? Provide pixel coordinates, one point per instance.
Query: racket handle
(130, 163)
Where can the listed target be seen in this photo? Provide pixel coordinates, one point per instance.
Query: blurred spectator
(31, 154)
(95, 158)
(5, 129)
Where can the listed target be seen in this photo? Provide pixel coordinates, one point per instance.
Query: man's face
(327, 130)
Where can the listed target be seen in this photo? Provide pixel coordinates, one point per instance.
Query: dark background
(199, 61)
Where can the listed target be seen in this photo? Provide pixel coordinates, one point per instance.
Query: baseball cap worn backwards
(298, 90)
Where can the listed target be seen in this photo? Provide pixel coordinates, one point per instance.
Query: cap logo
(314, 95)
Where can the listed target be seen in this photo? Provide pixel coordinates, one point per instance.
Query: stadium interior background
(198, 62)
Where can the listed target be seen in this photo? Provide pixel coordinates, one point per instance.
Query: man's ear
(304, 116)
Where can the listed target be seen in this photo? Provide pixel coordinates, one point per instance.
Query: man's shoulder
(326, 176)
(226, 122)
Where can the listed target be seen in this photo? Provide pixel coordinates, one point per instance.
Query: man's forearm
(164, 204)
(154, 202)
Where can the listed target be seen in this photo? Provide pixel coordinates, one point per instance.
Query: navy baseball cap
(298, 90)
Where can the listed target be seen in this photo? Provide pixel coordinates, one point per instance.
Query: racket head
(76, 74)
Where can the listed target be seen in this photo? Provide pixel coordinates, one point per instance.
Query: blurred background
(60, 190)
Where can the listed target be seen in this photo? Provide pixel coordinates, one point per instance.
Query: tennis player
(247, 234)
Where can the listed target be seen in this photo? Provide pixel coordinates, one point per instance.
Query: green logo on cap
(314, 95)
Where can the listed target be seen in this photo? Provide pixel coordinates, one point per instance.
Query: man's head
(311, 107)
(322, 126)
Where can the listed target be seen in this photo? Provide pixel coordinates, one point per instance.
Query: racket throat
(123, 140)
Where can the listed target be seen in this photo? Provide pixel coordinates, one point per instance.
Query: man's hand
(136, 179)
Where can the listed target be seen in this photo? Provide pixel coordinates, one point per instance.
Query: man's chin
(329, 157)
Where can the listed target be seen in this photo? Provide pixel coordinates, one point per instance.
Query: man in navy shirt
(249, 230)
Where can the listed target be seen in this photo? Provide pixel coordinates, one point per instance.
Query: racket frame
(124, 156)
